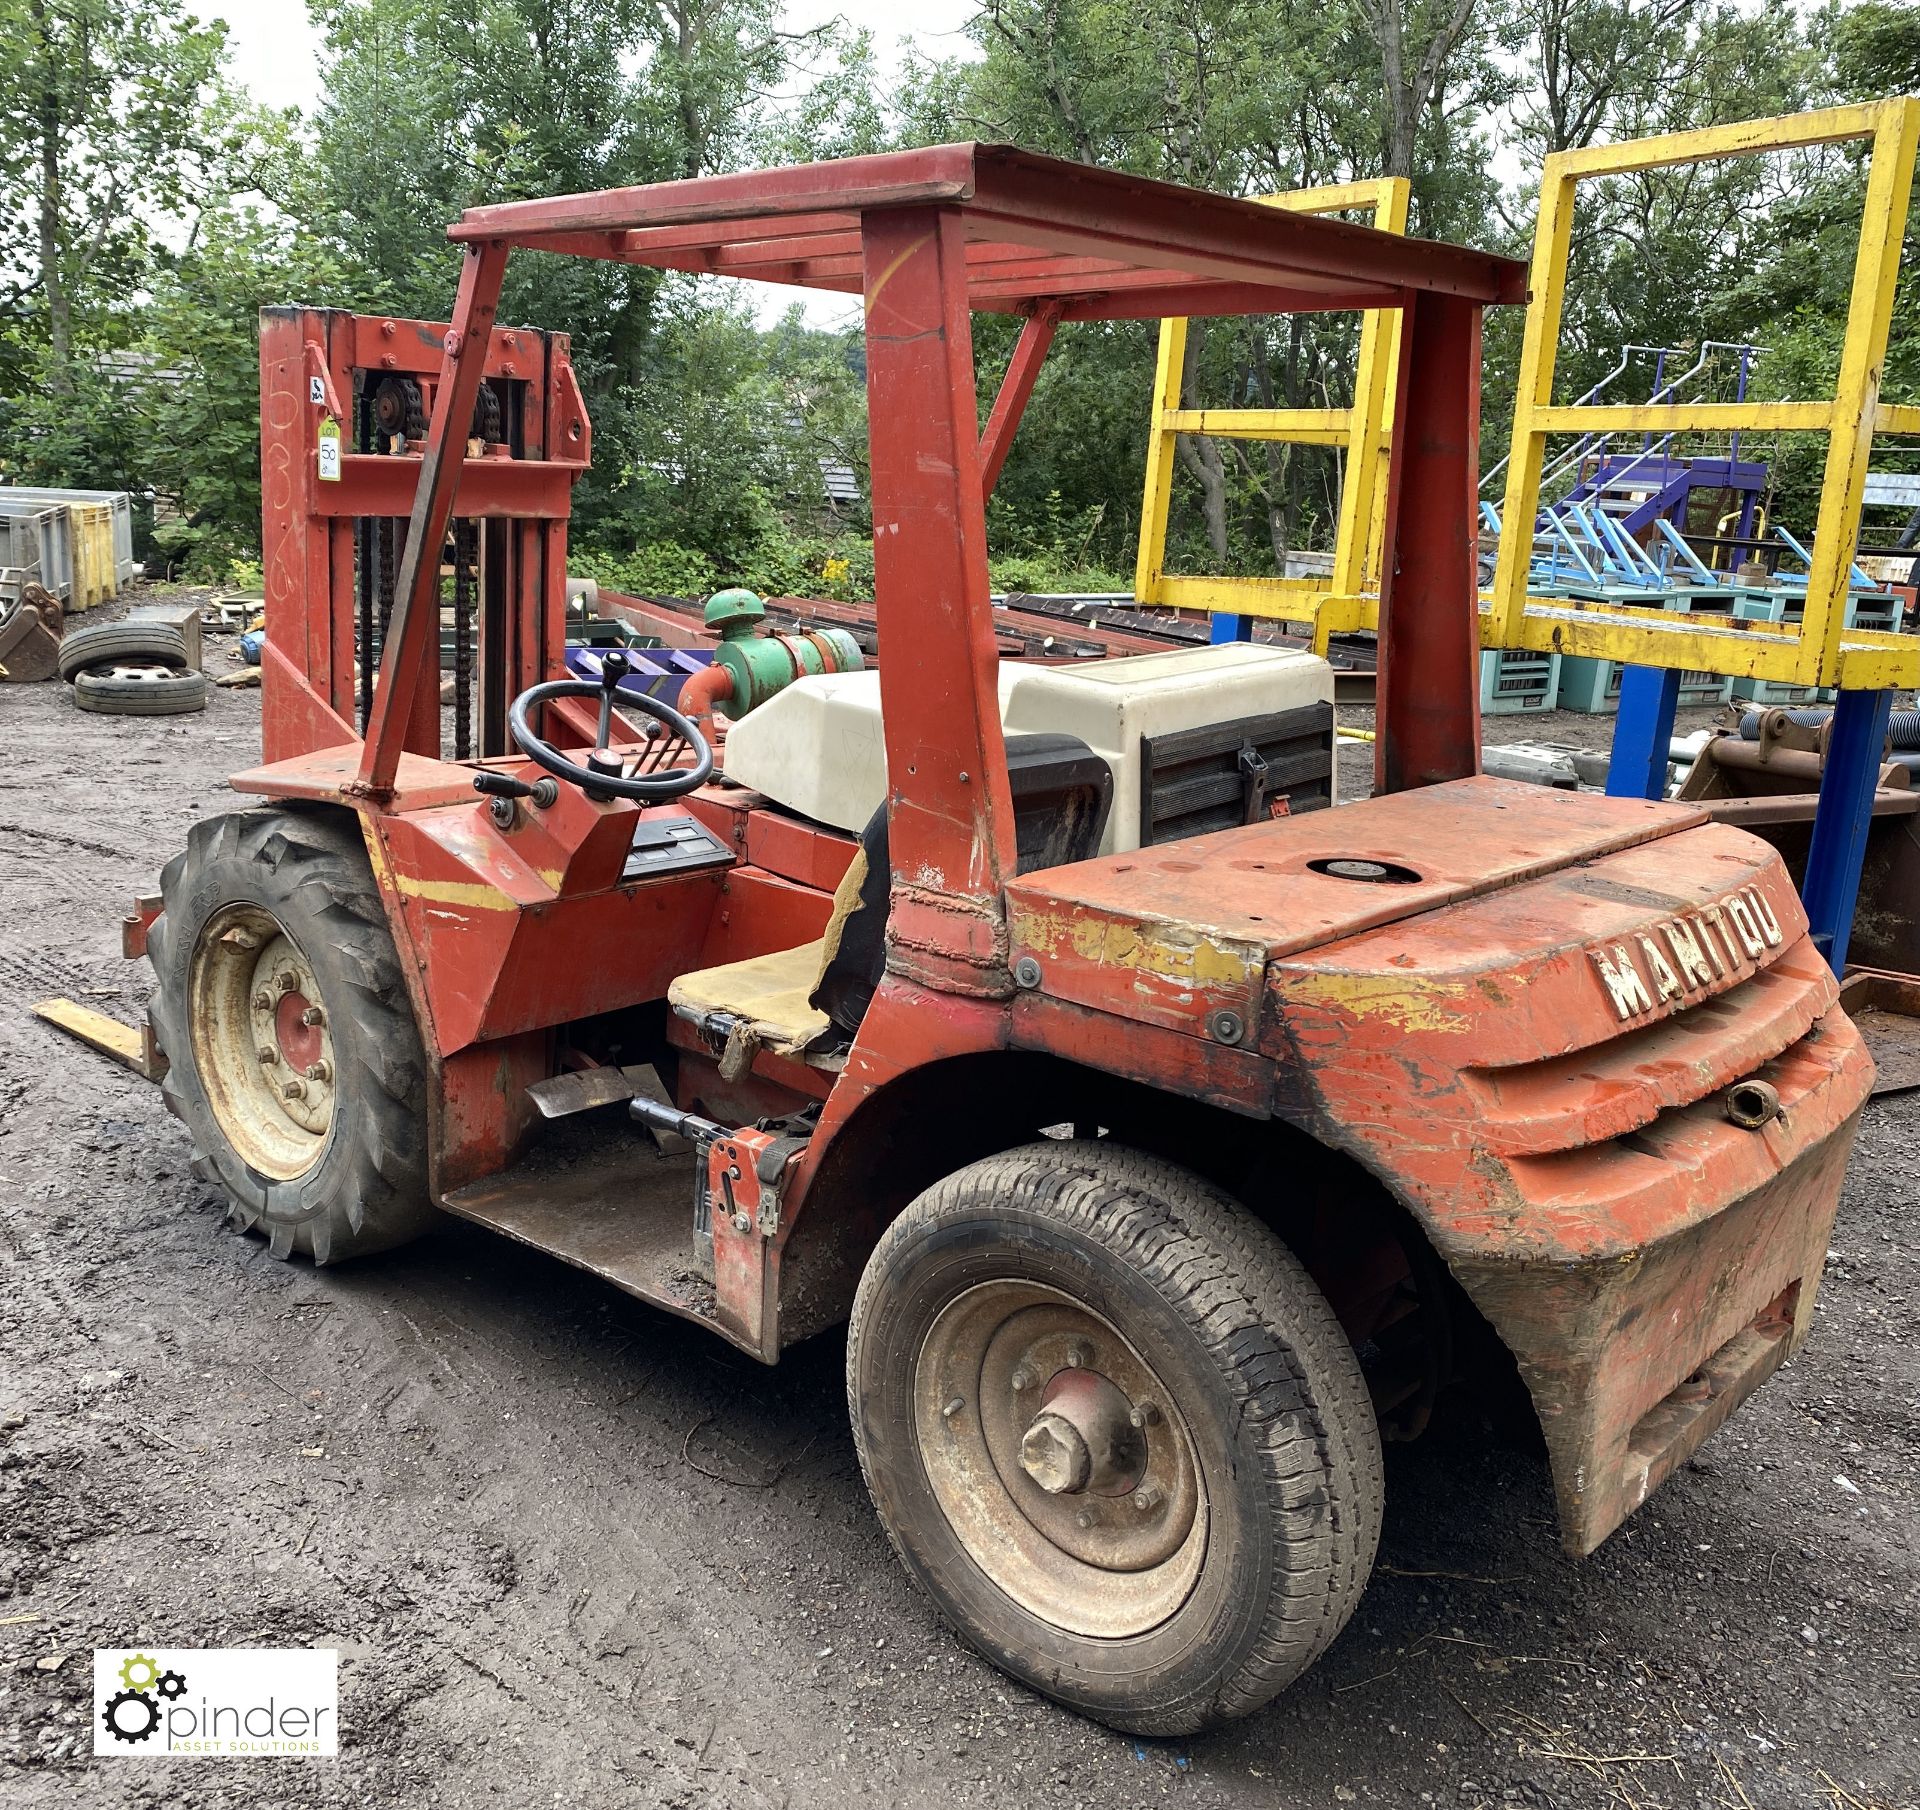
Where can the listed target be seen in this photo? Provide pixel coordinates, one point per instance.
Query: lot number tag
(330, 451)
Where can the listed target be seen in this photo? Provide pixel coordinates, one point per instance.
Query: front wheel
(292, 1053)
(1115, 1430)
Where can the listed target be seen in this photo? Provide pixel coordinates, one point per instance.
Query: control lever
(614, 667)
(544, 791)
(657, 1116)
(502, 790)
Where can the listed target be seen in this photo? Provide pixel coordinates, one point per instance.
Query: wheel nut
(1084, 1519)
(294, 1090)
(320, 1071)
(1054, 1455)
(952, 1408)
(1148, 1500)
(286, 980)
(263, 1001)
(1145, 1414)
(1079, 1355)
(1024, 1379)
(313, 1016)
(268, 1055)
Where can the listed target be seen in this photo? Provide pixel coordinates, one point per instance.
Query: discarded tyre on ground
(131, 668)
(139, 688)
(103, 643)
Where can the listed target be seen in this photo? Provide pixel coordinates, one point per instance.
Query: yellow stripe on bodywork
(474, 893)
(1185, 958)
(1412, 1005)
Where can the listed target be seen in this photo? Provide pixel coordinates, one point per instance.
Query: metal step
(601, 1198)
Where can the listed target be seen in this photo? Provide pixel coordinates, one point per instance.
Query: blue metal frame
(1643, 732)
(1842, 819)
(1222, 626)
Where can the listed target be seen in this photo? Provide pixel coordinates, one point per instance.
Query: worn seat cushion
(768, 993)
(770, 996)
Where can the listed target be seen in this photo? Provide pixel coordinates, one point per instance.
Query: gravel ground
(571, 1550)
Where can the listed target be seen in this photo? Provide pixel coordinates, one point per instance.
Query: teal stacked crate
(1593, 686)
(1517, 680)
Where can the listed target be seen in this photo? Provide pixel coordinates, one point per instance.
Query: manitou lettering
(1714, 943)
(1623, 981)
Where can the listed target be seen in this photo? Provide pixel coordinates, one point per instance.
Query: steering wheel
(641, 772)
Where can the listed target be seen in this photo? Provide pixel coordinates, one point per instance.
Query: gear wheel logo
(139, 1672)
(172, 1685)
(131, 1715)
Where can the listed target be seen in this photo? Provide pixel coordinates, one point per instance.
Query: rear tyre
(293, 1056)
(1114, 1429)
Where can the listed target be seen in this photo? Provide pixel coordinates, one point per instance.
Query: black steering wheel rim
(647, 788)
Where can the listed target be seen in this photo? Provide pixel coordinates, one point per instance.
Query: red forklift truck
(1167, 1139)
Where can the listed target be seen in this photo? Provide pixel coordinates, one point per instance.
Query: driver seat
(1061, 794)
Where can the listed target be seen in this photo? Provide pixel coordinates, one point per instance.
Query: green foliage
(779, 564)
(102, 135)
(662, 568)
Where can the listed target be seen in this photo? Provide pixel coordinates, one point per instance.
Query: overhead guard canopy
(1041, 232)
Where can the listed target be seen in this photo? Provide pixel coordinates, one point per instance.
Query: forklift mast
(345, 406)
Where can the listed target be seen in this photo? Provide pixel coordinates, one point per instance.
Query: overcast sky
(276, 56)
(276, 52)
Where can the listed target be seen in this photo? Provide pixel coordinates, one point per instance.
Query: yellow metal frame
(1361, 430)
(1821, 650)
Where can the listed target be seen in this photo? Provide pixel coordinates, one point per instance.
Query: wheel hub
(1084, 1438)
(290, 1030)
(261, 1041)
(1045, 1441)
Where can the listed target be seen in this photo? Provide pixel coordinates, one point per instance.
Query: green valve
(763, 664)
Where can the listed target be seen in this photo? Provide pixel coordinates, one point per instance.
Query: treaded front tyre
(1115, 1430)
(293, 1057)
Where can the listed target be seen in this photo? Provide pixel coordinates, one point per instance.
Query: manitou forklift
(1168, 1138)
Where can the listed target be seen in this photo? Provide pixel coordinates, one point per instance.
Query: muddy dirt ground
(572, 1551)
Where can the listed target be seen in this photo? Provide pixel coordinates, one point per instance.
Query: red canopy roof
(1104, 245)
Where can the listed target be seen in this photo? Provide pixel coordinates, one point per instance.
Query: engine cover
(818, 748)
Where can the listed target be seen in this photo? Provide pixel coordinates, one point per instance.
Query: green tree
(433, 107)
(1245, 96)
(101, 130)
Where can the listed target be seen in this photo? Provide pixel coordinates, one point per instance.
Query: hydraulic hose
(711, 685)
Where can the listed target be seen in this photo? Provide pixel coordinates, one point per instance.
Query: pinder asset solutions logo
(216, 1703)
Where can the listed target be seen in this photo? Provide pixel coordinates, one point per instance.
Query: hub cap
(261, 1041)
(1059, 1459)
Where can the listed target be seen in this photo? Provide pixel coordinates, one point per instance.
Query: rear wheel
(1115, 1430)
(293, 1056)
